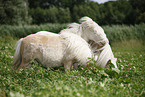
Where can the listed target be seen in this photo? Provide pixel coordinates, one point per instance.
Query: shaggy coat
(51, 49)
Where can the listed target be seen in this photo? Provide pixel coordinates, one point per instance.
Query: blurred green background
(16, 12)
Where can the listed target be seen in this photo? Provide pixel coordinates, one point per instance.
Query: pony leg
(67, 65)
(22, 65)
(75, 66)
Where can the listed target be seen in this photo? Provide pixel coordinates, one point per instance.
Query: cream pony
(52, 50)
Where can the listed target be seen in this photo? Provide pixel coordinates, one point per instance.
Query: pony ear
(84, 19)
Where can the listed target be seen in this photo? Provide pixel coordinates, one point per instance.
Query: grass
(115, 33)
(24, 30)
(37, 81)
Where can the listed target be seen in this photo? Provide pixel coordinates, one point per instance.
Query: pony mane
(73, 28)
(73, 25)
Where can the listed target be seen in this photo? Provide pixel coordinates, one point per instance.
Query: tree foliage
(115, 12)
(63, 11)
(14, 12)
(91, 9)
(51, 15)
(58, 3)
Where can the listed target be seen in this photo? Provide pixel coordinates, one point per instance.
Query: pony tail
(17, 56)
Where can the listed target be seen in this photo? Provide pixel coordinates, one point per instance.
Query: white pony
(95, 36)
(51, 49)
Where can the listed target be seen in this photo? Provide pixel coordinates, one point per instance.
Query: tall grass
(114, 33)
(24, 30)
(117, 33)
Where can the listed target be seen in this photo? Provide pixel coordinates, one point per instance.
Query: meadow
(128, 47)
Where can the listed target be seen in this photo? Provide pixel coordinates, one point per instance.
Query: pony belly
(51, 64)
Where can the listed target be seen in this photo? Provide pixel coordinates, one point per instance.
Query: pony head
(92, 31)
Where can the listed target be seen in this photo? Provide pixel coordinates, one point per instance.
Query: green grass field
(92, 81)
(38, 81)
